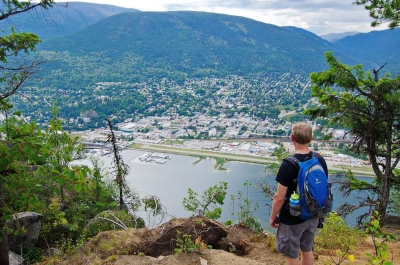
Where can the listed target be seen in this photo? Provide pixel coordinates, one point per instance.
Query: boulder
(201, 228)
(28, 224)
(15, 259)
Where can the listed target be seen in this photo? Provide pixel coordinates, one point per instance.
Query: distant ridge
(379, 46)
(60, 20)
(332, 37)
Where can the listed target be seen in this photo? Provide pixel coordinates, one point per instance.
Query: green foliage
(271, 169)
(75, 198)
(336, 235)
(32, 254)
(220, 41)
(383, 11)
(54, 224)
(212, 197)
(15, 48)
(22, 151)
(380, 240)
(36, 171)
(154, 209)
(337, 239)
(111, 220)
(358, 184)
(229, 223)
(280, 152)
(67, 246)
(57, 174)
(79, 61)
(220, 162)
(245, 215)
(185, 244)
(153, 205)
(369, 107)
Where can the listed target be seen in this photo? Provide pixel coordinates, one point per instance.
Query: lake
(171, 181)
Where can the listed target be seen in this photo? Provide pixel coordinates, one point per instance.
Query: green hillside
(63, 19)
(179, 63)
(141, 45)
(379, 46)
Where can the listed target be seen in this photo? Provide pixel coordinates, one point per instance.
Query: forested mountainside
(167, 63)
(136, 45)
(379, 46)
(63, 18)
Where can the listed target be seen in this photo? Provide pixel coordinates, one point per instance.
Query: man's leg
(307, 258)
(307, 243)
(290, 261)
(288, 241)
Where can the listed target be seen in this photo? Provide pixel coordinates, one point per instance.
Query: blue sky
(318, 16)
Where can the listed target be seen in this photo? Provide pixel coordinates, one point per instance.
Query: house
(212, 132)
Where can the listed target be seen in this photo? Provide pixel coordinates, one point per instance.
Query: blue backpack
(313, 188)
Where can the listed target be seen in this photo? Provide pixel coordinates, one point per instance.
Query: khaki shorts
(290, 239)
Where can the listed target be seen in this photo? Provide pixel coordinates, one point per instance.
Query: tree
(18, 158)
(369, 107)
(122, 169)
(63, 149)
(15, 67)
(211, 198)
(246, 209)
(383, 11)
(25, 155)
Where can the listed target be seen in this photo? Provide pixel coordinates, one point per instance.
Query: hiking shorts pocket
(283, 242)
(282, 245)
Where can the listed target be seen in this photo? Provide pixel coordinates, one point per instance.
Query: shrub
(336, 235)
(380, 239)
(111, 220)
(185, 244)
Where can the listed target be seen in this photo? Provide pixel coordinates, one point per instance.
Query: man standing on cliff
(294, 234)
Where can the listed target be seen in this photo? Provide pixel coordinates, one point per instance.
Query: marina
(155, 158)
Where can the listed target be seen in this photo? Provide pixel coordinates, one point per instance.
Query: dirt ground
(230, 246)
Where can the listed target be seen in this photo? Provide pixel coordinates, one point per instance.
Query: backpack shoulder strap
(316, 154)
(292, 160)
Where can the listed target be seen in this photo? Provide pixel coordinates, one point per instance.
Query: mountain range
(196, 44)
(190, 43)
(85, 44)
(63, 18)
(332, 37)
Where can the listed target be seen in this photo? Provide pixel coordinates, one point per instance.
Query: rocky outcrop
(15, 259)
(28, 224)
(210, 232)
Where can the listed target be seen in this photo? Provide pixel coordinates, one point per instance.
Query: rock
(31, 222)
(201, 228)
(52, 252)
(15, 259)
(203, 261)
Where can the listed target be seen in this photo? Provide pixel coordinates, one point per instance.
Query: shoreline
(333, 166)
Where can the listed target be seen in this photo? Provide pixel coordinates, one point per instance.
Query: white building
(212, 132)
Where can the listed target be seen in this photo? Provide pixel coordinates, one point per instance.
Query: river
(171, 181)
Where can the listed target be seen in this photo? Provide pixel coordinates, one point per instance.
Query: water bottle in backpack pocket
(313, 189)
(294, 204)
